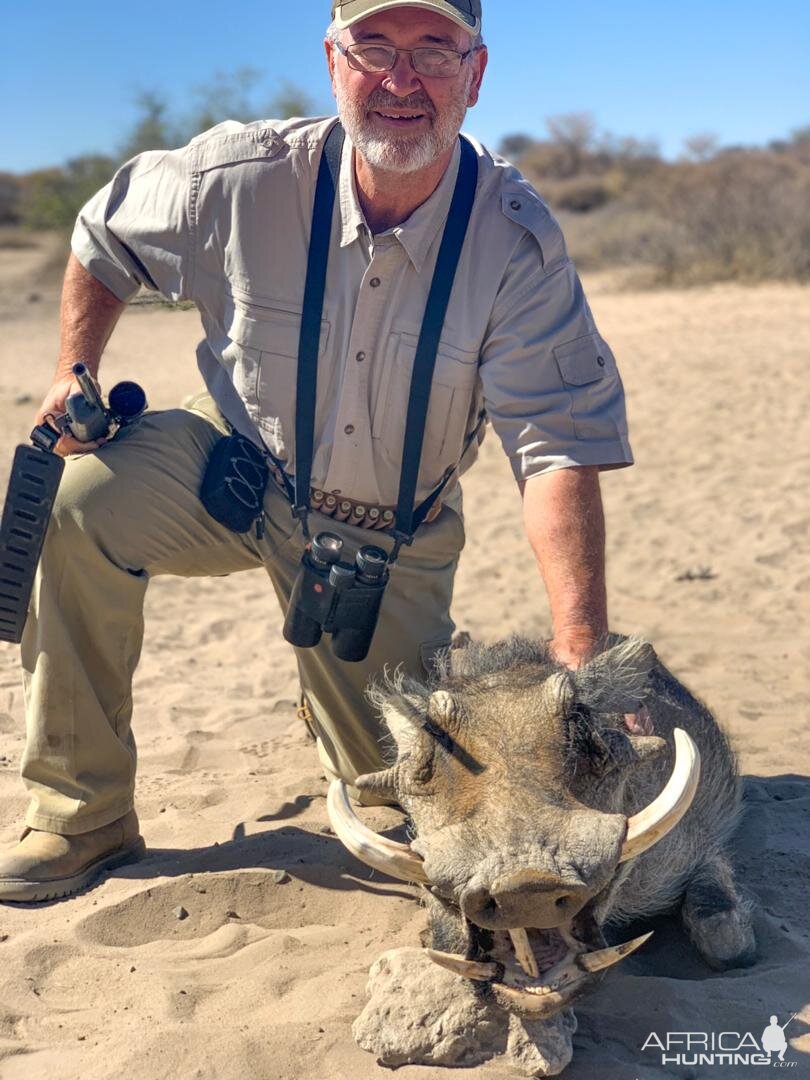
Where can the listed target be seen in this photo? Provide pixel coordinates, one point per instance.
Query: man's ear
(480, 60)
(330, 60)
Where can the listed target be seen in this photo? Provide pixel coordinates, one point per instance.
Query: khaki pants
(131, 511)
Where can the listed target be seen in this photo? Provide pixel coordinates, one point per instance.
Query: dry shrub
(9, 198)
(743, 215)
(579, 194)
(618, 235)
(733, 214)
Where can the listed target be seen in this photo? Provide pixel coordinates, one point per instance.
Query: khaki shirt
(225, 222)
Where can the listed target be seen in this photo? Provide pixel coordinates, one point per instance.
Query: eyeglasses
(435, 63)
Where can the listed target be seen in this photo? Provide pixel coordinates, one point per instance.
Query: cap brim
(352, 12)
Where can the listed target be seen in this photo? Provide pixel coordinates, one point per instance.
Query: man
(226, 222)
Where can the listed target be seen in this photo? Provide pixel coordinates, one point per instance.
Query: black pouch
(234, 484)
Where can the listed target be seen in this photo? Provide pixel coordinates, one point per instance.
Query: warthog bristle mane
(477, 659)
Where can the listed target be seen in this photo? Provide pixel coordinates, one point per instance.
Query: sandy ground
(709, 558)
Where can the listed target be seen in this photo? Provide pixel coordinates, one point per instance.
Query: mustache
(382, 100)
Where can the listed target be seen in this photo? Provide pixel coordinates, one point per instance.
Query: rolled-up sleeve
(136, 231)
(551, 386)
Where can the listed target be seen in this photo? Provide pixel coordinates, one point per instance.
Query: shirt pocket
(451, 400)
(588, 370)
(265, 370)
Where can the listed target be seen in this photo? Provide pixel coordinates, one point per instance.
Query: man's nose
(402, 80)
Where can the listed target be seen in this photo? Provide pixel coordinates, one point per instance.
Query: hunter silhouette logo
(773, 1038)
(724, 1047)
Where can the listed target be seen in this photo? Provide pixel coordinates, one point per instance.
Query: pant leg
(414, 623)
(124, 513)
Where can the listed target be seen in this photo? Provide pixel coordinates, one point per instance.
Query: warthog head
(514, 772)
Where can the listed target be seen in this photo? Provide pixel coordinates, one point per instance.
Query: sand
(709, 559)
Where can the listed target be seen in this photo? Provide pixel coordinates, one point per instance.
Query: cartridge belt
(362, 514)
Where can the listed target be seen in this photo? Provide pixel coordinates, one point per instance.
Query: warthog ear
(616, 680)
(610, 748)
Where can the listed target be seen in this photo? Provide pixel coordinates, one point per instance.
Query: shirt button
(349, 429)
(515, 204)
(600, 361)
(375, 283)
(360, 357)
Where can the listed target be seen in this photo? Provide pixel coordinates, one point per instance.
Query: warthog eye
(599, 750)
(579, 729)
(441, 736)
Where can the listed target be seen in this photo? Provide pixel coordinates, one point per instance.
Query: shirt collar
(418, 232)
(351, 214)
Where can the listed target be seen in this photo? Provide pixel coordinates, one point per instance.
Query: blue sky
(70, 72)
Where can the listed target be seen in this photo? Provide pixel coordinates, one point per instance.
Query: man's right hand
(54, 405)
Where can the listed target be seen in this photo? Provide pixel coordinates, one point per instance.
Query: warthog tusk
(469, 969)
(396, 860)
(524, 952)
(604, 958)
(652, 823)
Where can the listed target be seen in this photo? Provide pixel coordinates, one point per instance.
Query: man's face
(399, 120)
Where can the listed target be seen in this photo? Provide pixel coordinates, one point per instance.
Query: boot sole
(20, 891)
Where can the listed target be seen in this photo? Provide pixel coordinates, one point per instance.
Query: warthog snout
(524, 898)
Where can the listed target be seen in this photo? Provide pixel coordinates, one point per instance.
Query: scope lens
(327, 548)
(127, 400)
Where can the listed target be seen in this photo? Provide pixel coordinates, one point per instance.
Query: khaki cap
(466, 13)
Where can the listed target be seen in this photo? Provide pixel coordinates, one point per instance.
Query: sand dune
(709, 559)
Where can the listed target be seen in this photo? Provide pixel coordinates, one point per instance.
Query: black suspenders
(408, 516)
(310, 338)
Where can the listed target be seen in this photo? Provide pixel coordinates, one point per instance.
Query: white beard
(401, 153)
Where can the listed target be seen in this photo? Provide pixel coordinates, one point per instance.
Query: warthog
(538, 818)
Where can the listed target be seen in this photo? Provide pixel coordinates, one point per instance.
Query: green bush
(51, 198)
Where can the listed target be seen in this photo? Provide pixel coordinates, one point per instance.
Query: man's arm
(565, 524)
(88, 316)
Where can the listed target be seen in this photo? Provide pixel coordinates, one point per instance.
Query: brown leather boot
(46, 865)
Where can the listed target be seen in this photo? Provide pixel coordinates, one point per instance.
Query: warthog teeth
(561, 983)
(469, 969)
(524, 952)
(653, 823)
(604, 958)
(538, 1003)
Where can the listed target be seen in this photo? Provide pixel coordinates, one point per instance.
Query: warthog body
(519, 778)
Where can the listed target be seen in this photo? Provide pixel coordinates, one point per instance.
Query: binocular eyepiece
(338, 598)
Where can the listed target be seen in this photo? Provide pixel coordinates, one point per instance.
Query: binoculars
(338, 598)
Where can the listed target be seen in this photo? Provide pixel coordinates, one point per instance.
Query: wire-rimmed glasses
(435, 63)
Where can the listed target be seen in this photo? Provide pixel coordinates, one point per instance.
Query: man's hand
(53, 406)
(573, 655)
